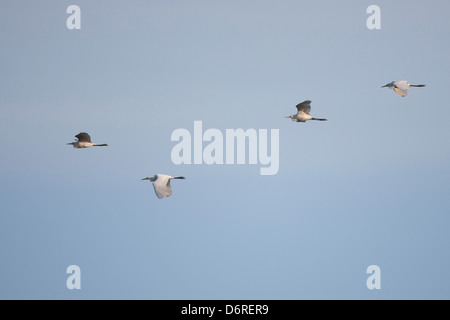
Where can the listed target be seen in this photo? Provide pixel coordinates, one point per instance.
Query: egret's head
(389, 85)
(152, 179)
(293, 118)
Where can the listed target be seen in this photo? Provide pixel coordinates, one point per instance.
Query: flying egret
(84, 141)
(303, 113)
(161, 183)
(402, 87)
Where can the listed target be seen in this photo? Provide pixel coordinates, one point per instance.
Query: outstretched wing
(162, 187)
(83, 137)
(401, 92)
(401, 87)
(168, 189)
(305, 107)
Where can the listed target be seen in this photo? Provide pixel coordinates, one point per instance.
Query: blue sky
(370, 186)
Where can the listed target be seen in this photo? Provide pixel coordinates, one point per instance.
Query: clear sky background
(370, 186)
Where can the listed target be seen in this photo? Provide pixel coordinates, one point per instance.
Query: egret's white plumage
(84, 141)
(304, 113)
(402, 87)
(161, 184)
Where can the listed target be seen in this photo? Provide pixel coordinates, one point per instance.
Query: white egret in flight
(402, 87)
(161, 183)
(303, 113)
(84, 141)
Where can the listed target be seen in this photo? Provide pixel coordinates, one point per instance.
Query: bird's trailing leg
(318, 119)
(417, 85)
(179, 178)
